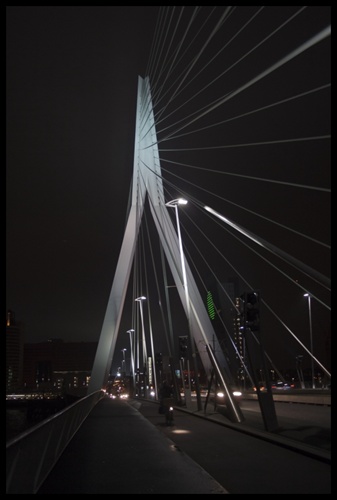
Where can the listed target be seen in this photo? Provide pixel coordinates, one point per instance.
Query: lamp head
(174, 203)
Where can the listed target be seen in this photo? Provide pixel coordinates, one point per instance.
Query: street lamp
(140, 301)
(130, 332)
(311, 341)
(133, 368)
(175, 203)
(124, 362)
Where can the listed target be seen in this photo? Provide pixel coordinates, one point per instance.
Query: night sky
(71, 97)
(71, 75)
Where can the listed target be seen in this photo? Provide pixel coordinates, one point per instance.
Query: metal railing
(31, 456)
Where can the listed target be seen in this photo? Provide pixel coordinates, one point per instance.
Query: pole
(143, 334)
(194, 356)
(311, 343)
(124, 363)
(132, 367)
(153, 365)
(140, 300)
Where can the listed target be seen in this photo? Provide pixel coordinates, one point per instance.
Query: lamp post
(124, 363)
(311, 342)
(135, 387)
(140, 301)
(132, 360)
(152, 374)
(175, 203)
(132, 367)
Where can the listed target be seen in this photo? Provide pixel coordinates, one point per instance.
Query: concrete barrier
(305, 396)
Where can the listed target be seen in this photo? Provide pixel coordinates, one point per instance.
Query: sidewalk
(243, 459)
(292, 437)
(117, 451)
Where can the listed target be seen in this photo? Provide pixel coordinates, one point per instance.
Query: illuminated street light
(311, 342)
(140, 301)
(133, 364)
(124, 362)
(175, 203)
(130, 332)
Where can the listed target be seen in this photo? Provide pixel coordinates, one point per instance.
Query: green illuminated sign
(210, 305)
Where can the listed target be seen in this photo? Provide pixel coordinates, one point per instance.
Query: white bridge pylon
(147, 180)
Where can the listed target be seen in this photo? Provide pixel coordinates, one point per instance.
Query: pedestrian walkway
(118, 451)
(244, 459)
(312, 440)
(125, 447)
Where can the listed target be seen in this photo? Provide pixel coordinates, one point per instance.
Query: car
(280, 385)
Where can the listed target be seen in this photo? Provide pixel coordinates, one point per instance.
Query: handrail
(31, 456)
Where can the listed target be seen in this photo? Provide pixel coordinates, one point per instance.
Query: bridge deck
(119, 449)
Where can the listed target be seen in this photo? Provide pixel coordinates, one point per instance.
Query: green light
(210, 305)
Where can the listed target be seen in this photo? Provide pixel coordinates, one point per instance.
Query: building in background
(59, 367)
(53, 366)
(14, 353)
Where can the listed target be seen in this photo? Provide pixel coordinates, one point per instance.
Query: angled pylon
(147, 180)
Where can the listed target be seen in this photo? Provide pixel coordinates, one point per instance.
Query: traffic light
(183, 347)
(250, 310)
(253, 311)
(158, 360)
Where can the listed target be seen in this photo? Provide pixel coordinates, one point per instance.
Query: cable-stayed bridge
(233, 115)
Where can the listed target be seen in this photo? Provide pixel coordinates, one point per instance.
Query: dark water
(16, 422)
(21, 416)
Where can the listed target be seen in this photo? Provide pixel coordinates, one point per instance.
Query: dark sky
(71, 77)
(71, 97)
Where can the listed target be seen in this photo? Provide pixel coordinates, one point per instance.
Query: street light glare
(178, 201)
(140, 298)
